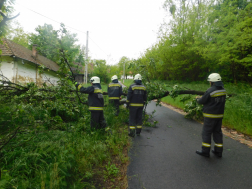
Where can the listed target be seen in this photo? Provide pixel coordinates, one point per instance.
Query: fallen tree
(18, 89)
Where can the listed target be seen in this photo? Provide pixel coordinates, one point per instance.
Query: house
(21, 65)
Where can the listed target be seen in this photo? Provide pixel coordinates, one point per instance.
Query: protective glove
(197, 98)
(76, 84)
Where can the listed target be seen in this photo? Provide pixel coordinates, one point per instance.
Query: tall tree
(201, 38)
(114, 70)
(230, 44)
(18, 35)
(6, 7)
(101, 70)
(47, 41)
(125, 62)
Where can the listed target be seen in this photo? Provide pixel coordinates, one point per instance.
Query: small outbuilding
(78, 72)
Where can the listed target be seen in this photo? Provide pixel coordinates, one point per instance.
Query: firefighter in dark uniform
(213, 110)
(136, 98)
(95, 102)
(114, 93)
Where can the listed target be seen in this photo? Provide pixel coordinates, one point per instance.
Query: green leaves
(50, 42)
(101, 70)
(193, 110)
(203, 37)
(111, 170)
(155, 90)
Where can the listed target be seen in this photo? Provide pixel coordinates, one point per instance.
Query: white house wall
(26, 72)
(7, 68)
(21, 71)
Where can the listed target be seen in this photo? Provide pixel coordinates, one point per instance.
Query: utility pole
(86, 64)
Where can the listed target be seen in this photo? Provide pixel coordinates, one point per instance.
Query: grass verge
(238, 109)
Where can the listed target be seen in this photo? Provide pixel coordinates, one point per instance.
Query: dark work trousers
(97, 120)
(212, 126)
(116, 104)
(135, 120)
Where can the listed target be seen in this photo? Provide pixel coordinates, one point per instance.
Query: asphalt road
(165, 158)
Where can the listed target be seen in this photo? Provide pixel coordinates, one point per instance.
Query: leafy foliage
(203, 37)
(194, 110)
(17, 34)
(155, 90)
(124, 63)
(101, 70)
(48, 44)
(45, 135)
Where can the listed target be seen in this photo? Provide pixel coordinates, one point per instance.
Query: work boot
(218, 154)
(132, 133)
(202, 153)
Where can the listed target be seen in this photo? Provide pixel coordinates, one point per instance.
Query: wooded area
(203, 37)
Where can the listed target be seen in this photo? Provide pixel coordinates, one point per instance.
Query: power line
(97, 46)
(65, 25)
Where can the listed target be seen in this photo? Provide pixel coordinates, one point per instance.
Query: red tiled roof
(9, 48)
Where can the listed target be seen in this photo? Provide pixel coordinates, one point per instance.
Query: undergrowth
(49, 144)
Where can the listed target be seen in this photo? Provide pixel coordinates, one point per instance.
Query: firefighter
(213, 110)
(114, 93)
(95, 102)
(136, 98)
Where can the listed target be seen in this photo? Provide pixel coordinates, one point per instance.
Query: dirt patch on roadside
(118, 182)
(242, 138)
(173, 108)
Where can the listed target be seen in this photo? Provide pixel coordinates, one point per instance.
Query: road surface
(165, 158)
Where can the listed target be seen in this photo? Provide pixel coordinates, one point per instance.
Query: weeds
(111, 171)
(52, 144)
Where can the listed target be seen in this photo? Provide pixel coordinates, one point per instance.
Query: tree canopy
(203, 37)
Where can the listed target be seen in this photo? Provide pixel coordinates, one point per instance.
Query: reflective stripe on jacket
(214, 102)
(95, 108)
(114, 91)
(137, 95)
(95, 97)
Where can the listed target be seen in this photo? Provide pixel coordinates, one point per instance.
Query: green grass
(127, 82)
(238, 109)
(58, 154)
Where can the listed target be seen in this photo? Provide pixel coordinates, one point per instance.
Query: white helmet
(138, 77)
(113, 77)
(214, 77)
(95, 79)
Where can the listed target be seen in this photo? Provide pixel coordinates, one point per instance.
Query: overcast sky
(116, 27)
